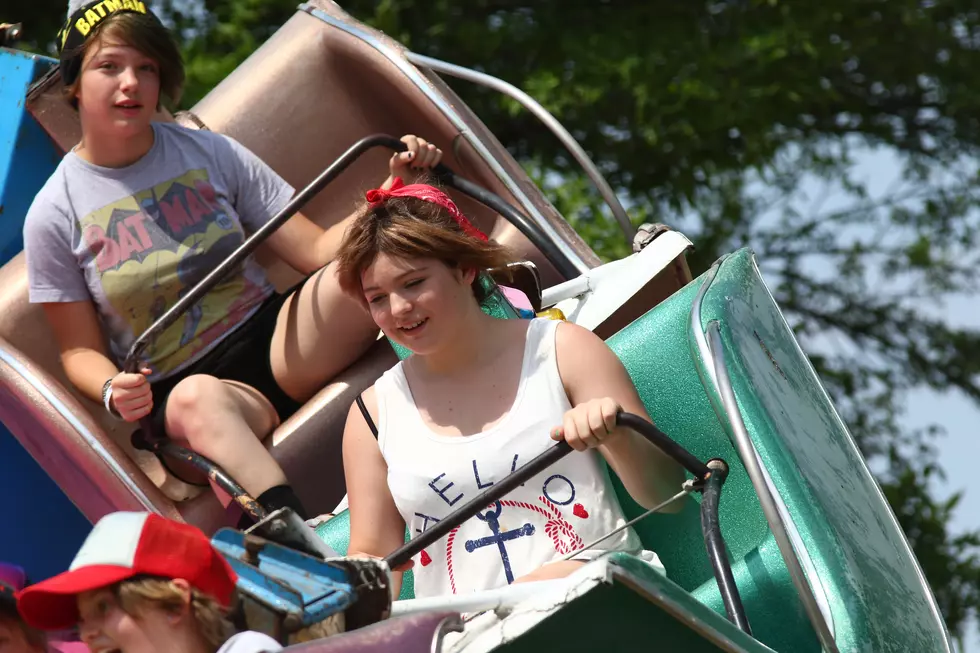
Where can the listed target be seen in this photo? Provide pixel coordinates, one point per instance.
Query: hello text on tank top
(554, 513)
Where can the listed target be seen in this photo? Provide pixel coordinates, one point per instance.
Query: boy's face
(119, 88)
(13, 639)
(106, 628)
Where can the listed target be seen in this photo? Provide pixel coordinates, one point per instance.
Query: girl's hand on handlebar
(588, 425)
(131, 395)
(405, 566)
(421, 156)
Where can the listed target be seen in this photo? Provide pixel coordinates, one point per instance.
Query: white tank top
(558, 511)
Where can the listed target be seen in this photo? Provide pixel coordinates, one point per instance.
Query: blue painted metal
(27, 154)
(42, 541)
(285, 580)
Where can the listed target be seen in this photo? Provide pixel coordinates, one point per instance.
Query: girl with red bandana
(477, 399)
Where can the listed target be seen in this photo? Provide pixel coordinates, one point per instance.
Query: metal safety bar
(395, 57)
(236, 258)
(746, 451)
(710, 371)
(708, 478)
(145, 439)
(531, 230)
(549, 121)
(166, 448)
(715, 544)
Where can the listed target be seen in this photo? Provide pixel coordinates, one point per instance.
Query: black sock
(281, 496)
(245, 522)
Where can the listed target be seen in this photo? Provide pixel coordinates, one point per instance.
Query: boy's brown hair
(408, 227)
(210, 618)
(149, 36)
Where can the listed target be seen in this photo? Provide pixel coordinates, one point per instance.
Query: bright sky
(878, 170)
(959, 416)
(957, 450)
(955, 412)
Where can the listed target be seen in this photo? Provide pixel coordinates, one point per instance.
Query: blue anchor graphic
(498, 538)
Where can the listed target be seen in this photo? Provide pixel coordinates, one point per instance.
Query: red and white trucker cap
(124, 545)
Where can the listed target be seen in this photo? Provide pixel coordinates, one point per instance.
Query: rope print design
(561, 532)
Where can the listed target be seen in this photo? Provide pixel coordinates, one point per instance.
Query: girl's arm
(598, 386)
(87, 365)
(307, 247)
(304, 245)
(376, 526)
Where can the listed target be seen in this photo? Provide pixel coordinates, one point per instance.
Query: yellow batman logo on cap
(88, 17)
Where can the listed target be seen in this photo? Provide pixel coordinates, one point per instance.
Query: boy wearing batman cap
(138, 213)
(83, 22)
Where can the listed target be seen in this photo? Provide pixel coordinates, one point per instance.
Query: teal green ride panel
(657, 354)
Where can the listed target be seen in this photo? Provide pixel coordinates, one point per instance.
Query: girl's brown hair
(407, 227)
(147, 35)
(210, 617)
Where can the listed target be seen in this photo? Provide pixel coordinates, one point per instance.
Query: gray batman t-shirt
(133, 240)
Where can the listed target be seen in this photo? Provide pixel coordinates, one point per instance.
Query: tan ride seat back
(298, 102)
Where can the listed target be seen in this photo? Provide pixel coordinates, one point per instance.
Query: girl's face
(119, 88)
(14, 640)
(417, 302)
(106, 628)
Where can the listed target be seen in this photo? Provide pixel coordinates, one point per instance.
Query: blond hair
(210, 618)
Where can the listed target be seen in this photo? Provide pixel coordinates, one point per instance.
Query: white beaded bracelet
(107, 399)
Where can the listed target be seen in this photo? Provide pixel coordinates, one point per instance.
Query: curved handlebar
(654, 435)
(531, 230)
(709, 479)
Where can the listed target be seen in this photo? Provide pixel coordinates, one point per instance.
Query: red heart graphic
(580, 511)
(425, 559)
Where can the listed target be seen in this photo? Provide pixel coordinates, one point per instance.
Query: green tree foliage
(734, 122)
(41, 21)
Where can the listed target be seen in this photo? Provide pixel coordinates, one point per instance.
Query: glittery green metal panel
(656, 353)
(852, 542)
(873, 585)
(639, 611)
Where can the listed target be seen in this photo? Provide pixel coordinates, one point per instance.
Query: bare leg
(551, 571)
(319, 333)
(226, 422)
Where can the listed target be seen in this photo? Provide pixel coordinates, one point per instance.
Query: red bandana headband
(425, 193)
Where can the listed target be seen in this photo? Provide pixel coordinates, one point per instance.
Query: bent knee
(191, 403)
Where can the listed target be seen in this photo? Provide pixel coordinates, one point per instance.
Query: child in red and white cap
(143, 584)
